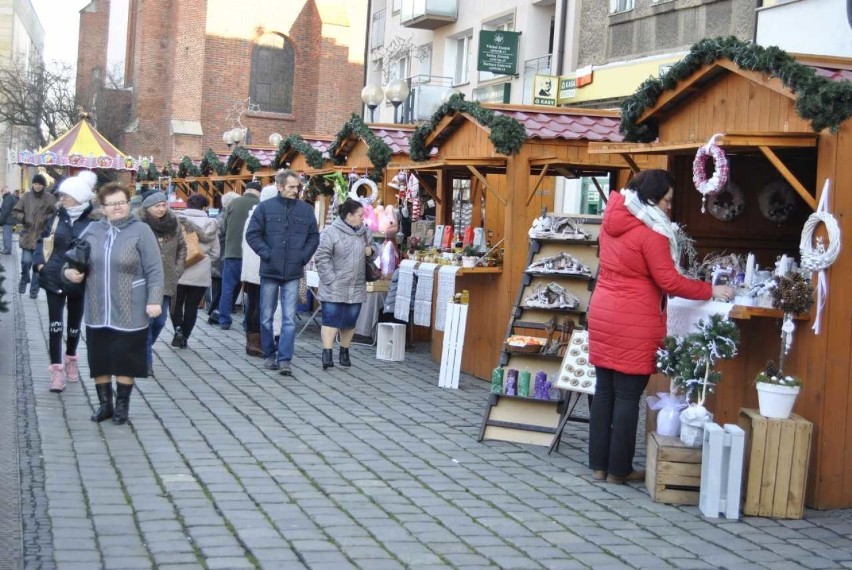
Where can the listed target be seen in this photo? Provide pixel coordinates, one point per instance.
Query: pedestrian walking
(7, 218)
(73, 217)
(345, 247)
(216, 267)
(639, 259)
(283, 232)
(231, 227)
(250, 277)
(155, 212)
(124, 289)
(32, 211)
(196, 278)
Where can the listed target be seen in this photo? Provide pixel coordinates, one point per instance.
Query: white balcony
(428, 14)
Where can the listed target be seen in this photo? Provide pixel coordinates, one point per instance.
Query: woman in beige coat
(340, 260)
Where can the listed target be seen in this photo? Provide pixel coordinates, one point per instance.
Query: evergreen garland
(507, 134)
(149, 173)
(242, 153)
(296, 142)
(378, 150)
(168, 170)
(210, 164)
(187, 168)
(4, 304)
(823, 102)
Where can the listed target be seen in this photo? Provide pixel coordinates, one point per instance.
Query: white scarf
(74, 212)
(656, 219)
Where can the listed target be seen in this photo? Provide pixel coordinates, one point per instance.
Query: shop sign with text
(544, 90)
(498, 52)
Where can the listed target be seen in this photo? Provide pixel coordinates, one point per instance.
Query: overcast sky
(61, 22)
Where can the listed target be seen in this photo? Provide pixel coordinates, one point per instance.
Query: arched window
(273, 64)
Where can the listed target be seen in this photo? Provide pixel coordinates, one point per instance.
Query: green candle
(524, 383)
(497, 381)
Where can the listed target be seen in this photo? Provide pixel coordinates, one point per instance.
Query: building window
(617, 6)
(461, 69)
(377, 30)
(273, 65)
(395, 6)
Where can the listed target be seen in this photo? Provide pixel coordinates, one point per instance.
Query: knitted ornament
(699, 170)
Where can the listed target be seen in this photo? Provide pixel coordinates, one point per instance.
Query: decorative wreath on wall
(716, 182)
(728, 203)
(777, 201)
(366, 200)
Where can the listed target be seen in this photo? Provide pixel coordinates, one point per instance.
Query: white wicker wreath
(699, 169)
(819, 257)
(728, 203)
(366, 200)
(777, 200)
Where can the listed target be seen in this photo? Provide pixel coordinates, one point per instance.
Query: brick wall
(92, 51)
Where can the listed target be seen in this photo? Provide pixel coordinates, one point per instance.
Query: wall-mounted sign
(544, 90)
(585, 75)
(499, 93)
(498, 52)
(567, 89)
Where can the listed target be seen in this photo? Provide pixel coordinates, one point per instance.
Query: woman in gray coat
(340, 259)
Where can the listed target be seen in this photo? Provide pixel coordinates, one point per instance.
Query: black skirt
(116, 353)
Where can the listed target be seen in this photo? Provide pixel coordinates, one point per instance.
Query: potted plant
(776, 392)
(469, 256)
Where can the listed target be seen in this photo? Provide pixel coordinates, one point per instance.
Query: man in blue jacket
(283, 232)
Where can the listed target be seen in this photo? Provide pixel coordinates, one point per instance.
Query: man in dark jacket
(32, 210)
(232, 225)
(283, 232)
(7, 220)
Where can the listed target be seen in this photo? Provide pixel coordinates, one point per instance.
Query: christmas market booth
(490, 170)
(776, 129)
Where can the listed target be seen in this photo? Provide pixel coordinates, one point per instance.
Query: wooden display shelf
(566, 241)
(533, 354)
(576, 311)
(479, 270)
(574, 276)
(745, 312)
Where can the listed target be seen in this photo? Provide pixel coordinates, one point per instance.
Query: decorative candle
(540, 381)
(511, 384)
(497, 381)
(524, 384)
(749, 272)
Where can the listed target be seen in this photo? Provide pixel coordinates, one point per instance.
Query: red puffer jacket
(627, 312)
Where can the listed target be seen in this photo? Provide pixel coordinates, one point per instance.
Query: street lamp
(237, 134)
(397, 91)
(228, 138)
(448, 94)
(372, 96)
(275, 139)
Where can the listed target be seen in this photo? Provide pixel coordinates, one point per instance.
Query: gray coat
(340, 262)
(125, 274)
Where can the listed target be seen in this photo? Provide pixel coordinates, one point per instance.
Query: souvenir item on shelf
(388, 258)
(551, 296)
(777, 200)
(447, 239)
(728, 203)
(564, 263)
(526, 344)
(699, 169)
(524, 383)
(559, 227)
(542, 386)
(370, 218)
(356, 185)
(497, 381)
(479, 239)
(512, 382)
(576, 372)
(817, 257)
(467, 237)
(439, 236)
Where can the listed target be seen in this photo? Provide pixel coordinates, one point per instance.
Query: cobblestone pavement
(226, 465)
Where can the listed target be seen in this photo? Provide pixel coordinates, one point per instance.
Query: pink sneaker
(57, 377)
(72, 373)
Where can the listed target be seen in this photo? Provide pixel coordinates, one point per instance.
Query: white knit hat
(268, 192)
(80, 186)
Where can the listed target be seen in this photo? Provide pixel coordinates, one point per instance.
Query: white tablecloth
(370, 311)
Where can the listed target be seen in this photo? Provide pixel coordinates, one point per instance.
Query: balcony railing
(427, 92)
(428, 14)
(533, 67)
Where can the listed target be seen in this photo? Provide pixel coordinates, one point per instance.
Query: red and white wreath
(699, 169)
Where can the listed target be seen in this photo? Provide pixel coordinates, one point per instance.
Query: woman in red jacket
(627, 315)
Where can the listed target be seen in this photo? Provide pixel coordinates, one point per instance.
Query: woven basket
(529, 349)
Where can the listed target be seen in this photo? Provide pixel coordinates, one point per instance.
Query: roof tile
(544, 125)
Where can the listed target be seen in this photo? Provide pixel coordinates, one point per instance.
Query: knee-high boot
(122, 403)
(105, 411)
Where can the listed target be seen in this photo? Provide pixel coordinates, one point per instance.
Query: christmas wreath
(728, 203)
(699, 169)
(777, 201)
(366, 200)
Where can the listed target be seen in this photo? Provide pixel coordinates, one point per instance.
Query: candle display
(524, 383)
(749, 272)
(497, 381)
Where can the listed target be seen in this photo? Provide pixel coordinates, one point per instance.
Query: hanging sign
(498, 52)
(567, 89)
(544, 90)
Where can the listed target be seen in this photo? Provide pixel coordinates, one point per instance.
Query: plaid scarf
(656, 219)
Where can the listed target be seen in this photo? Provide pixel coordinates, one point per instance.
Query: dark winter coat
(33, 210)
(233, 222)
(6, 206)
(340, 261)
(283, 232)
(627, 312)
(66, 236)
(172, 246)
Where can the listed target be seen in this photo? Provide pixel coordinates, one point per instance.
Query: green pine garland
(823, 102)
(150, 173)
(187, 168)
(210, 164)
(242, 153)
(296, 142)
(378, 150)
(507, 134)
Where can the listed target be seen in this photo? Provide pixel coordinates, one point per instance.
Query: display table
(370, 312)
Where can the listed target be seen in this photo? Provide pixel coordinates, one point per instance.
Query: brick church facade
(190, 65)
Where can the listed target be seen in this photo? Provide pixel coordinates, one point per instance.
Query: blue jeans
(155, 327)
(270, 290)
(7, 239)
(27, 268)
(231, 270)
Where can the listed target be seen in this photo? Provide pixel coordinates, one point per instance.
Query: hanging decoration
(728, 203)
(793, 295)
(820, 258)
(699, 169)
(777, 200)
(366, 200)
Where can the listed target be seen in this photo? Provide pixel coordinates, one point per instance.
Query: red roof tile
(396, 139)
(834, 74)
(544, 125)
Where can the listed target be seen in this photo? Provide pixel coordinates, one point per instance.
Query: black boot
(327, 358)
(105, 411)
(178, 339)
(122, 403)
(343, 357)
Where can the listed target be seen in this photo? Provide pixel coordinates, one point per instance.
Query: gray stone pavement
(228, 466)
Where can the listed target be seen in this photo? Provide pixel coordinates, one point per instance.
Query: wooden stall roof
(397, 137)
(266, 153)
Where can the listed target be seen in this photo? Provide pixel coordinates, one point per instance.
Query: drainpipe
(849, 12)
(367, 53)
(561, 27)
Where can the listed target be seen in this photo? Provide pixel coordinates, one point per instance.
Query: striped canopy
(81, 147)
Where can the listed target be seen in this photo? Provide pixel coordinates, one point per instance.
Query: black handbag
(78, 256)
(371, 271)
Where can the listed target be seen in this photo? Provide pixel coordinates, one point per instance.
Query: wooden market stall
(768, 142)
(507, 193)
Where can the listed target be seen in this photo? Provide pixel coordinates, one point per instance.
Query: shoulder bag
(194, 253)
(371, 270)
(47, 243)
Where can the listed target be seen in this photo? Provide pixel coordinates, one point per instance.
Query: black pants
(55, 308)
(253, 313)
(184, 308)
(614, 417)
(215, 295)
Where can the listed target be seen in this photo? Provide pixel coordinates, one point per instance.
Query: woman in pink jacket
(627, 315)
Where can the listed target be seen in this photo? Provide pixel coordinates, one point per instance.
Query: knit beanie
(268, 192)
(79, 187)
(39, 179)
(153, 199)
(253, 185)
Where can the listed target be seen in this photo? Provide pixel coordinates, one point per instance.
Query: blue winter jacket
(283, 232)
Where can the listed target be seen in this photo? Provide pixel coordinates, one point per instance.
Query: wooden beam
(630, 162)
(765, 80)
(537, 184)
(485, 184)
(667, 97)
(600, 190)
(789, 177)
(426, 187)
(442, 124)
(731, 140)
(566, 172)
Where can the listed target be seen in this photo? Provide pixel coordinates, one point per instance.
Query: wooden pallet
(777, 455)
(674, 471)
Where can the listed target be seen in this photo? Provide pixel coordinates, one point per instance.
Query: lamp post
(372, 96)
(237, 134)
(228, 139)
(275, 139)
(397, 91)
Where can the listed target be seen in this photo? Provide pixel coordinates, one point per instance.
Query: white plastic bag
(692, 421)
(669, 407)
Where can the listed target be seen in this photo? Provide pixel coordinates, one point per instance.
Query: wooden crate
(777, 455)
(674, 470)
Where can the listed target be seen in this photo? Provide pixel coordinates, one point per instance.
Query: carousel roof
(82, 146)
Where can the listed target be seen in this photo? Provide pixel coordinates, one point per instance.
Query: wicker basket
(528, 349)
